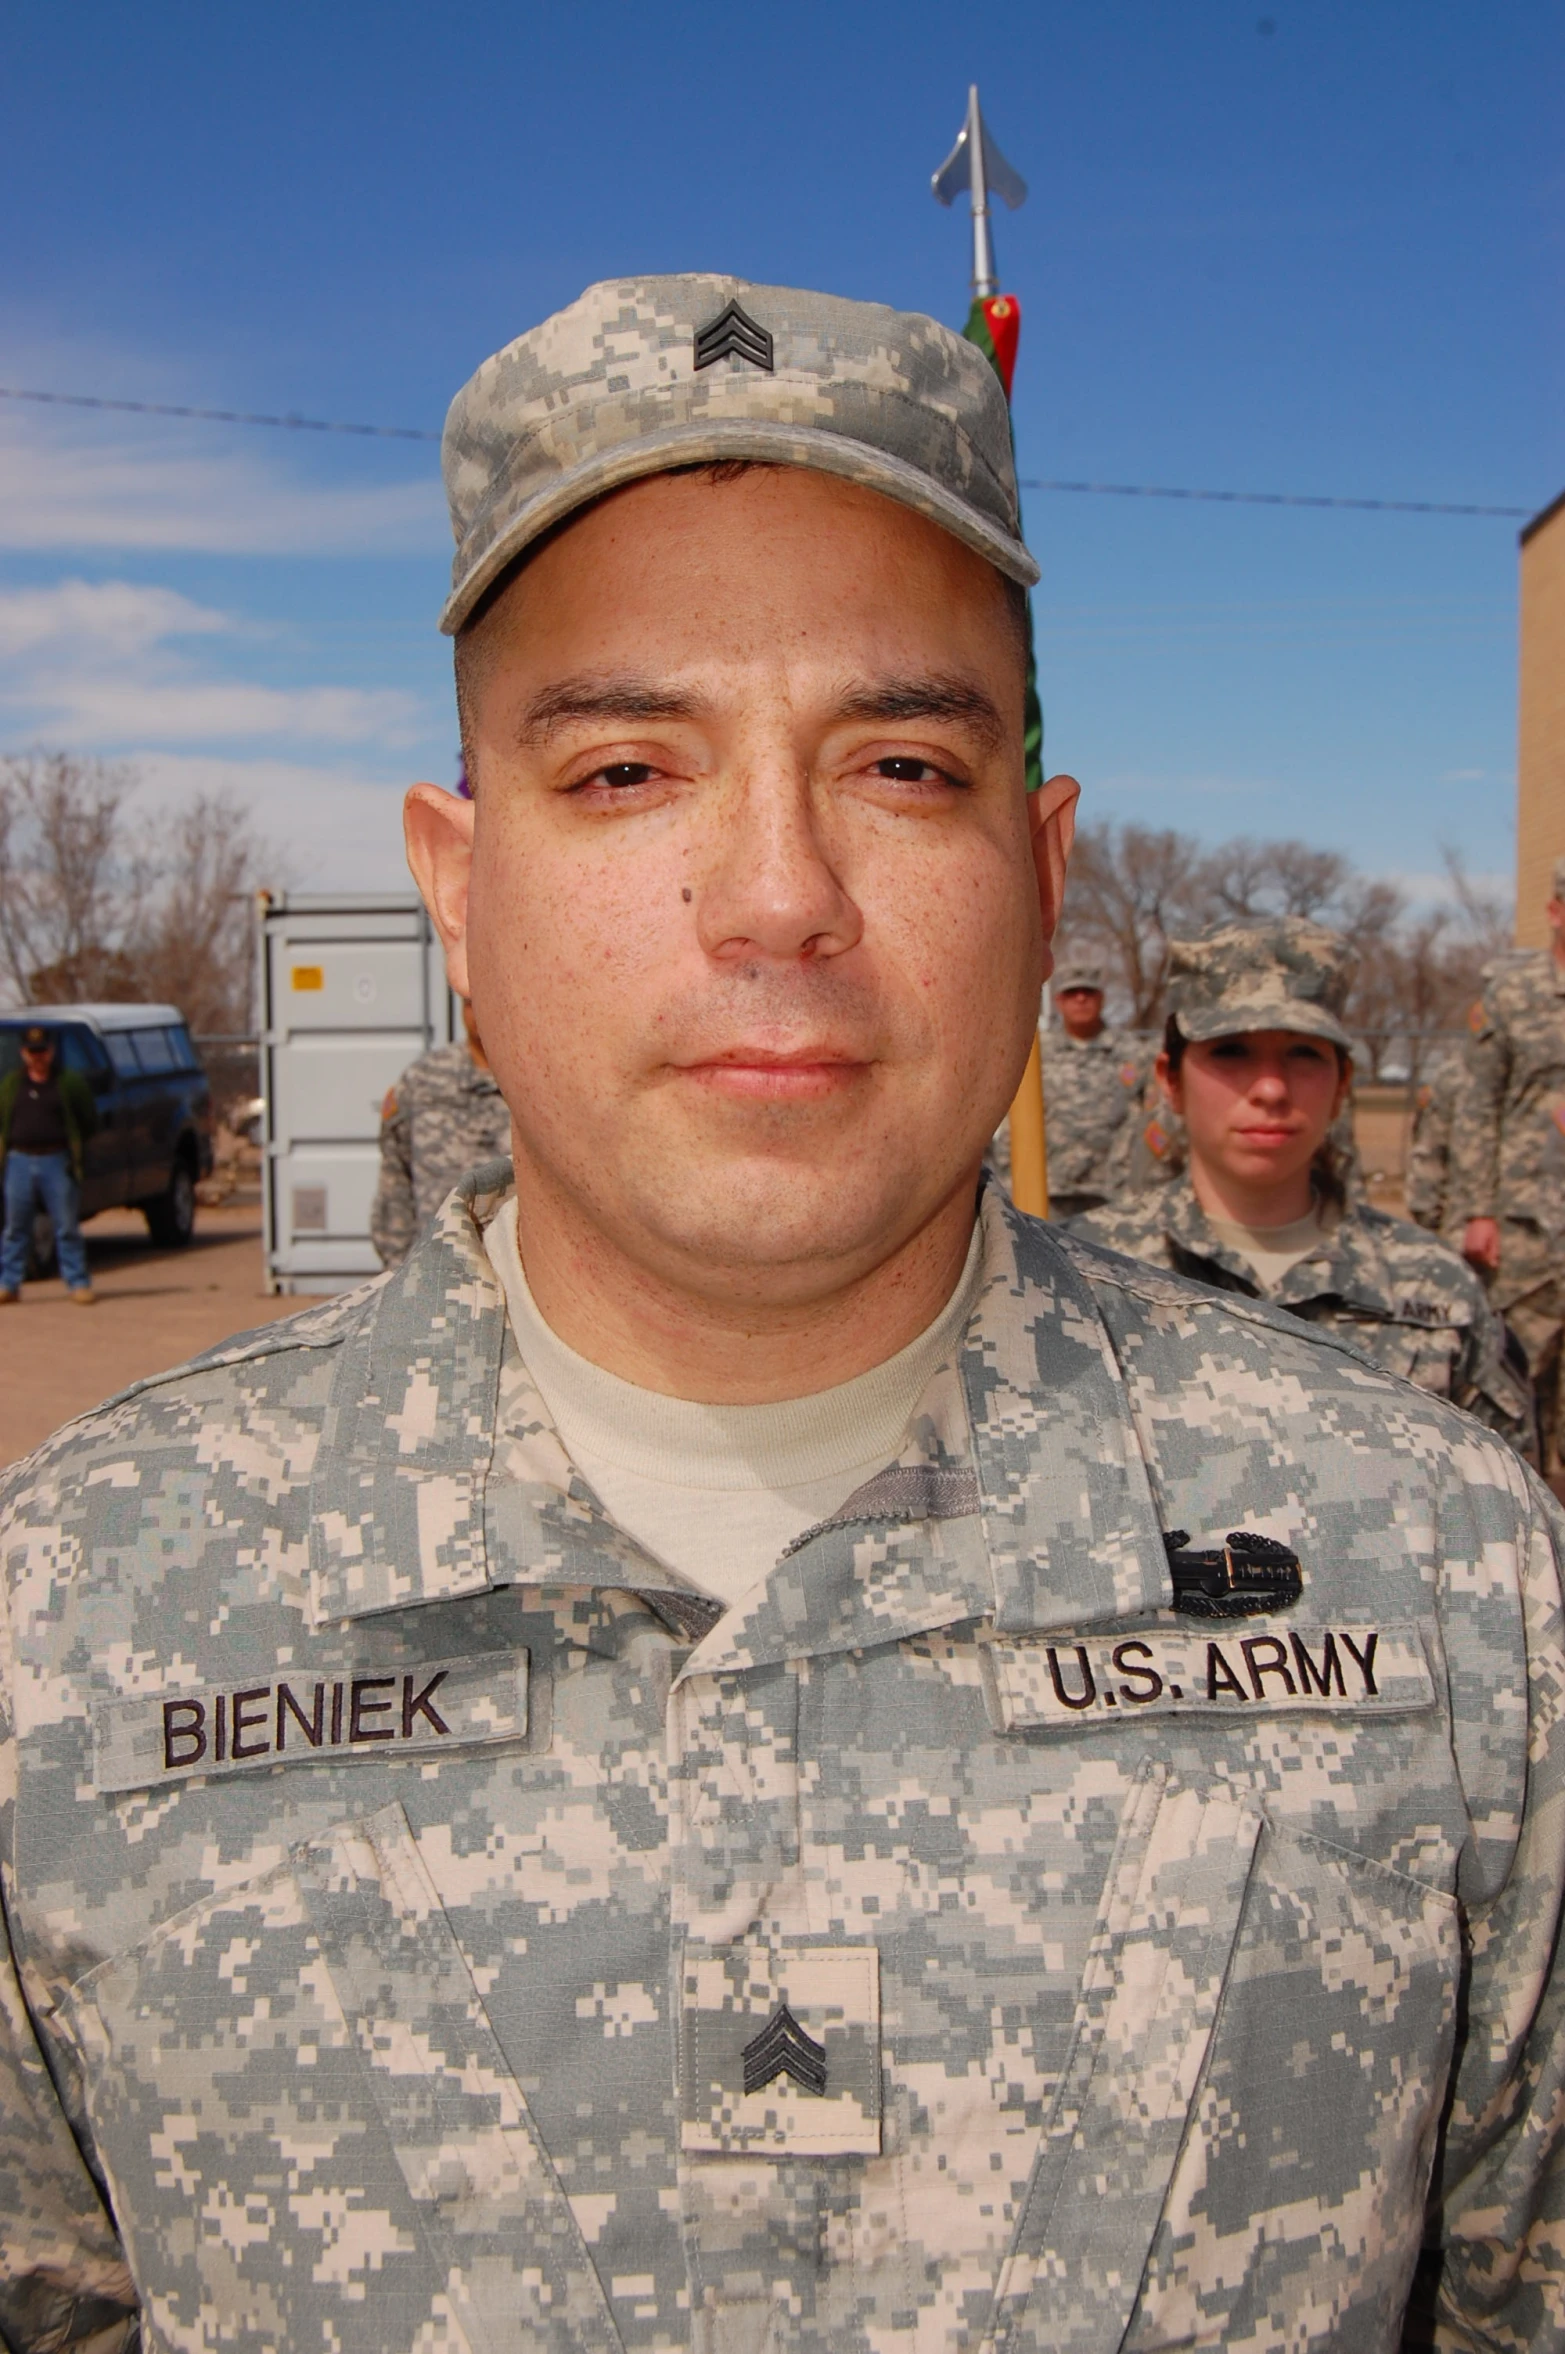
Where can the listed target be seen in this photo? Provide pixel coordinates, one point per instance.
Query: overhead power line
(1278, 498)
(293, 423)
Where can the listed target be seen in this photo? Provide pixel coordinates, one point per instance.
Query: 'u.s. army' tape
(1251, 1669)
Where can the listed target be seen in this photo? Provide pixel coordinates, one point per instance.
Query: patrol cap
(641, 375)
(1075, 969)
(1285, 973)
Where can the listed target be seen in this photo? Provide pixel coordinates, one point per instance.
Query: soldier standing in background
(1092, 1081)
(1428, 1180)
(1257, 1064)
(1508, 1167)
(444, 1116)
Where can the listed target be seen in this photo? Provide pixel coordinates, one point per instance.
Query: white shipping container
(352, 989)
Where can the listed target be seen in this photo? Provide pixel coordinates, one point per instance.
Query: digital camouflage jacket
(1404, 1298)
(1509, 1154)
(444, 1116)
(1091, 1089)
(436, 1927)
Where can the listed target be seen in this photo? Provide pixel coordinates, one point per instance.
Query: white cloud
(100, 663)
(198, 487)
(334, 829)
(115, 617)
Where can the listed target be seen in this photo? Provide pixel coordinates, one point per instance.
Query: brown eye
(901, 769)
(621, 773)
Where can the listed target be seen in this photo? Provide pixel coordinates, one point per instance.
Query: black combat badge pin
(733, 333)
(1239, 1579)
(783, 2049)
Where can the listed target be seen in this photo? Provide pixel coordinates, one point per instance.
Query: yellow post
(1029, 1152)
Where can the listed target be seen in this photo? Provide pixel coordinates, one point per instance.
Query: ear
(1051, 822)
(1168, 1079)
(1344, 1085)
(437, 827)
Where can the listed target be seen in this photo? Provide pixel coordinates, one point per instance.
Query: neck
(1267, 1202)
(730, 1335)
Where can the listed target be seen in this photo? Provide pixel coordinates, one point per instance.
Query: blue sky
(1305, 245)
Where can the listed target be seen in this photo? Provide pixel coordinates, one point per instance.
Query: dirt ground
(155, 1308)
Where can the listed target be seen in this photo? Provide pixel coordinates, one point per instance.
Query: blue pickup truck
(154, 1137)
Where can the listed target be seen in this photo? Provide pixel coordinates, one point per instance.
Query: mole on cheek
(685, 894)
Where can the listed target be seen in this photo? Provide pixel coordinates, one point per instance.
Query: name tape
(1105, 1679)
(299, 1718)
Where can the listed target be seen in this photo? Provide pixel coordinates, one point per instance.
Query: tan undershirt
(717, 1492)
(1272, 1250)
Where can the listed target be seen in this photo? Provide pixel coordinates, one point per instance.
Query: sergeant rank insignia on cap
(734, 333)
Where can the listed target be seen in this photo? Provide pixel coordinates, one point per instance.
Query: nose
(773, 889)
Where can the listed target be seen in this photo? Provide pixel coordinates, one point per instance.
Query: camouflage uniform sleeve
(64, 2282)
(1492, 1386)
(393, 1220)
(1494, 2270)
(1475, 1139)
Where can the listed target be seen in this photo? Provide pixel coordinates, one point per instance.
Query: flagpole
(994, 321)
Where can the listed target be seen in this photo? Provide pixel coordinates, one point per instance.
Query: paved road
(155, 1308)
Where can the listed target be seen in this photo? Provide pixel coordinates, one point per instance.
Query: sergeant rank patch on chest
(295, 1717)
(1245, 1670)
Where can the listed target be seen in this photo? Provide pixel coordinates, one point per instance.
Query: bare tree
(1131, 890)
(90, 910)
(62, 879)
(191, 943)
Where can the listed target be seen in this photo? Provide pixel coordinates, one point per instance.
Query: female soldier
(1256, 1063)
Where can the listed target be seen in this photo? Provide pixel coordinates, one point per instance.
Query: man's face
(751, 922)
(1081, 1011)
(37, 1062)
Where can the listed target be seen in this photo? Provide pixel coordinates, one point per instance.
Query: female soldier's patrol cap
(1285, 973)
(642, 375)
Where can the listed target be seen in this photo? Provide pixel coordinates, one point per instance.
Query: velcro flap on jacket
(1067, 1682)
(779, 2050)
(296, 1717)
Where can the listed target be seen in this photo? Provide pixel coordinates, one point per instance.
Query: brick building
(1540, 766)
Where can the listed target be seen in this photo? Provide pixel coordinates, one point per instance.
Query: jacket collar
(1020, 1494)
(1348, 1264)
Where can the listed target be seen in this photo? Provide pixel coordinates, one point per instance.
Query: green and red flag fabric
(994, 324)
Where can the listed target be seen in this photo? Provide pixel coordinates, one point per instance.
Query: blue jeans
(41, 1180)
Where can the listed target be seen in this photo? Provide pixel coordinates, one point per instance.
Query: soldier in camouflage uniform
(1429, 1143)
(1508, 1169)
(1023, 1915)
(1403, 1298)
(1092, 1081)
(444, 1115)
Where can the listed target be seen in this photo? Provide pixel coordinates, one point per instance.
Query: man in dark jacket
(46, 1117)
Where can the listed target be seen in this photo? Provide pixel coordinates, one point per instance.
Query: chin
(762, 1218)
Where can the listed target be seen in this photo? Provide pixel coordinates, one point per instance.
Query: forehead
(701, 555)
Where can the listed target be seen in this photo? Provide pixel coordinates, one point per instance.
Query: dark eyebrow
(572, 699)
(898, 699)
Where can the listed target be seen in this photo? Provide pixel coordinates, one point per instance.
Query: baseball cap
(1073, 971)
(641, 375)
(1284, 973)
(36, 1039)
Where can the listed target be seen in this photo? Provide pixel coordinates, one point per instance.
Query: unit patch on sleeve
(1100, 1680)
(297, 1718)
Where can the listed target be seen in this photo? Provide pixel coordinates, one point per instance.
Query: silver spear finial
(976, 164)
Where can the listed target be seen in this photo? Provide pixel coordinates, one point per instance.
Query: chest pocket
(1248, 2115)
(310, 2131)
